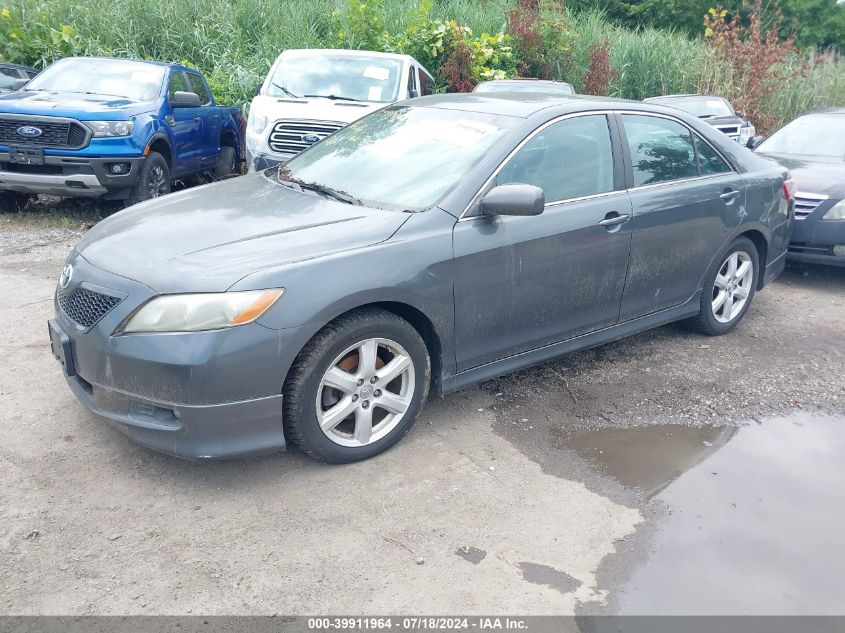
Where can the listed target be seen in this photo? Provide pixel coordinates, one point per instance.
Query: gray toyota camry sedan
(426, 247)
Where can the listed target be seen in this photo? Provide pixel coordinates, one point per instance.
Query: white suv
(310, 93)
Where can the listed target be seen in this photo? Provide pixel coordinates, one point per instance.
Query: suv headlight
(197, 312)
(746, 133)
(836, 212)
(257, 124)
(111, 128)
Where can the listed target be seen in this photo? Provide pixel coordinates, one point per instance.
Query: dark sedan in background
(813, 148)
(717, 111)
(13, 76)
(434, 243)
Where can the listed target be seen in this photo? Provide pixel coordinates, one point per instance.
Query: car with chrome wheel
(812, 147)
(424, 248)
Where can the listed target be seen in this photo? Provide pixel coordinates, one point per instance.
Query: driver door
(525, 282)
(186, 126)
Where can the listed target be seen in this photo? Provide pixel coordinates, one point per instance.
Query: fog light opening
(839, 250)
(119, 169)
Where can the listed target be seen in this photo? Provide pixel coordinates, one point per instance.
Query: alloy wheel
(732, 286)
(365, 392)
(157, 182)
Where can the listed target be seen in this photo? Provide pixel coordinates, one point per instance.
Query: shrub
(599, 73)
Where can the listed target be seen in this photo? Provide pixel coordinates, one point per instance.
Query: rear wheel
(226, 163)
(357, 387)
(153, 181)
(13, 201)
(728, 289)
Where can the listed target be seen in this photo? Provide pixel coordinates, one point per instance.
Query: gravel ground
(483, 508)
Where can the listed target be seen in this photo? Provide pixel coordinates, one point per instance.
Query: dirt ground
(555, 490)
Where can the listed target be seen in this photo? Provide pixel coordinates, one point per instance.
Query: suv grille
(60, 134)
(806, 203)
(730, 130)
(287, 136)
(86, 307)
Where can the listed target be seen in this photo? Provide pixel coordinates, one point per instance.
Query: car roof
(521, 79)
(685, 96)
(524, 104)
(826, 111)
(150, 62)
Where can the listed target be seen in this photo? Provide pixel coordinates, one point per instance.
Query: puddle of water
(545, 575)
(649, 458)
(754, 522)
(472, 554)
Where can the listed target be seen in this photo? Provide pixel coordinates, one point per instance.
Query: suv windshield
(136, 81)
(703, 107)
(400, 157)
(337, 76)
(812, 135)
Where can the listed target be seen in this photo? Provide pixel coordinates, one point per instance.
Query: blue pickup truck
(113, 129)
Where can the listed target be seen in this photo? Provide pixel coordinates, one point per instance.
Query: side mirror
(754, 141)
(514, 199)
(182, 99)
(413, 93)
(18, 84)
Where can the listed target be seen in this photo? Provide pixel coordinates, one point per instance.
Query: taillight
(789, 189)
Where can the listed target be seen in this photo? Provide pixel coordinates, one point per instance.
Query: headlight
(746, 133)
(196, 312)
(836, 212)
(111, 128)
(257, 123)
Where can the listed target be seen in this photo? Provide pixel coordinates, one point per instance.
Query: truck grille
(59, 134)
(86, 307)
(287, 136)
(806, 203)
(730, 130)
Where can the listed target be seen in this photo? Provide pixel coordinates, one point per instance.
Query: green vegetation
(234, 42)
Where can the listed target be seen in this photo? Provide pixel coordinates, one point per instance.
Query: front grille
(86, 307)
(59, 134)
(806, 203)
(286, 137)
(730, 130)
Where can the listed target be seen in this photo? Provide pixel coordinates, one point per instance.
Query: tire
(226, 163)
(153, 181)
(727, 296)
(372, 333)
(13, 201)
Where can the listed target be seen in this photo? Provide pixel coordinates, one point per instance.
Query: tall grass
(235, 41)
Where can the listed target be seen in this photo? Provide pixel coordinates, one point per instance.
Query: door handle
(614, 219)
(728, 196)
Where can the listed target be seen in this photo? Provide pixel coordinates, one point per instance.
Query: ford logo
(65, 277)
(29, 131)
(310, 138)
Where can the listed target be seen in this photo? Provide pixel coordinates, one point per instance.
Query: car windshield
(555, 88)
(401, 158)
(358, 78)
(812, 135)
(703, 107)
(136, 81)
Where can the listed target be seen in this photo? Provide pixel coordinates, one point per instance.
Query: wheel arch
(160, 144)
(761, 243)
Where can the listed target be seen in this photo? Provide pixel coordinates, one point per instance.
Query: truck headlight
(836, 212)
(197, 312)
(111, 128)
(746, 133)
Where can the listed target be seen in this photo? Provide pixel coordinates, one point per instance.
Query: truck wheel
(153, 181)
(12, 201)
(226, 163)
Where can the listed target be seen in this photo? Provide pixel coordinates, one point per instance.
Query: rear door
(686, 198)
(525, 282)
(211, 123)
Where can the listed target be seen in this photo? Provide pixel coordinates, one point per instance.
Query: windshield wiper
(332, 97)
(285, 90)
(286, 179)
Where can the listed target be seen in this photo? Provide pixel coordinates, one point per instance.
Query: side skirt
(585, 341)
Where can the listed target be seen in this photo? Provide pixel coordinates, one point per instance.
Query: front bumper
(70, 176)
(194, 394)
(813, 238)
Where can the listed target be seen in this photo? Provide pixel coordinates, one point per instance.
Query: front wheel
(728, 289)
(12, 201)
(357, 387)
(153, 181)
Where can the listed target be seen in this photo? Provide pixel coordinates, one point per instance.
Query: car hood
(314, 109)
(71, 104)
(814, 174)
(207, 238)
(725, 120)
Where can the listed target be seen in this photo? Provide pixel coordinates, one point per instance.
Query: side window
(661, 150)
(177, 84)
(198, 86)
(31, 74)
(709, 161)
(425, 82)
(412, 84)
(10, 72)
(568, 159)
